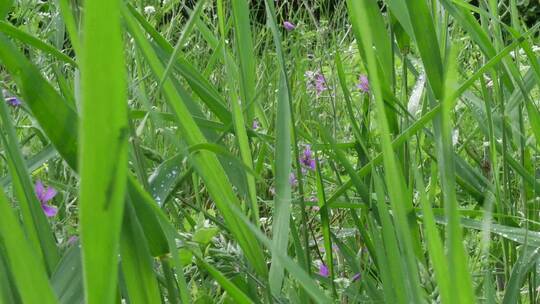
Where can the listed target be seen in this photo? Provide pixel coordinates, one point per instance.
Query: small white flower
(149, 10)
(343, 281)
(455, 137)
(44, 14)
(489, 81)
(413, 105)
(486, 144)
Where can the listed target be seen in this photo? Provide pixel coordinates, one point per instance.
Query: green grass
(178, 136)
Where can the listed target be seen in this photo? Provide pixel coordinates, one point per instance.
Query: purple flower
(316, 81)
(255, 125)
(72, 239)
(307, 158)
(13, 101)
(356, 277)
(363, 84)
(44, 196)
(323, 271)
(293, 180)
(289, 26)
(320, 84)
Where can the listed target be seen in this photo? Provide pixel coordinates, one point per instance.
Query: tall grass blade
(103, 152)
(283, 162)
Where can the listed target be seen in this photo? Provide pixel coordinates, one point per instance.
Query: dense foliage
(238, 151)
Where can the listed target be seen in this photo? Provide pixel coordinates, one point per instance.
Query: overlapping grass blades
(389, 184)
(27, 270)
(204, 162)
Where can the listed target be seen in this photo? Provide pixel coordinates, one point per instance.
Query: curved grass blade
(29, 273)
(56, 117)
(35, 223)
(8, 290)
(16, 33)
(527, 260)
(231, 289)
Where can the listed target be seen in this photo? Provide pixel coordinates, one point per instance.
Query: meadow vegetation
(287, 151)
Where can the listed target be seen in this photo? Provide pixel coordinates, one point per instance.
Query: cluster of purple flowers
(255, 124)
(363, 84)
(316, 81)
(13, 101)
(45, 195)
(293, 180)
(306, 161)
(289, 26)
(325, 273)
(323, 270)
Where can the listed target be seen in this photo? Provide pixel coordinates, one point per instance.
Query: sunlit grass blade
(103, 152)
